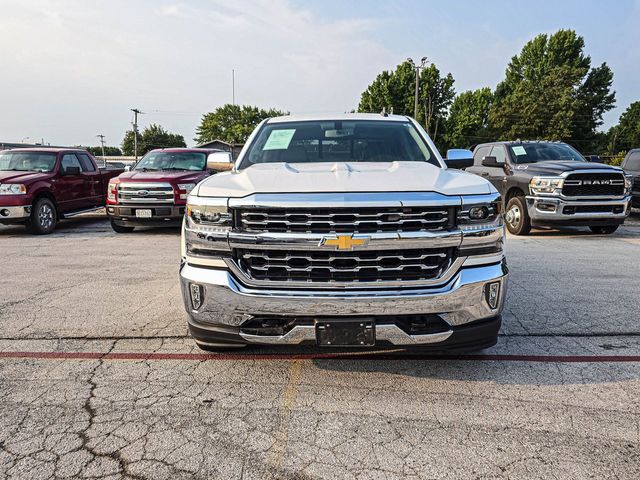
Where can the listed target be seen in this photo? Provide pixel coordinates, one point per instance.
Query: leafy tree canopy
(153, 136)
(551, 92)
(232, 123)
(394, 91)
(626, 135)
(468, 120)
(108, 151)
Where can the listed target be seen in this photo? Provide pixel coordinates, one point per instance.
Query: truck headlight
(481, 215)
(13, 189)
(212, 213)
(628, 183)
(545, 184)
(112, 191)
(184, 189)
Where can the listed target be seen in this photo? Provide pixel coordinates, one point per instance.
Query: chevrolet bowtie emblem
(344, 242)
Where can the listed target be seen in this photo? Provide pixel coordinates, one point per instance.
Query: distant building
(234, 148)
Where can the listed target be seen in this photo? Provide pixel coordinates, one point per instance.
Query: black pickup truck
(551, 184)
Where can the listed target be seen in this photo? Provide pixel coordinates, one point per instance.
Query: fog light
(492, 293)
(546, 207)
(4, 212)
(196, 295)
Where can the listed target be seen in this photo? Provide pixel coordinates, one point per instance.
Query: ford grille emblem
(143, 193)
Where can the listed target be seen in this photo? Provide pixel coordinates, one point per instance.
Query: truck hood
(558, 167)
(23, 177)
(343, 177)
(162, 176)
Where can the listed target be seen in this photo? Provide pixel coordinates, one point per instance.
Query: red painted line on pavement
(319, 356)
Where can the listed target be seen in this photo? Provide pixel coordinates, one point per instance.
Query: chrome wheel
(46, 216)
(514, 216)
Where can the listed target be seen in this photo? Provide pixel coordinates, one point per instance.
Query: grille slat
(347, 220)
(353, 266)
(593, 184)
(145, 193)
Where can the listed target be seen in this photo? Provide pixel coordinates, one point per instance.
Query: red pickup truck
(39, 186)
(154, 193)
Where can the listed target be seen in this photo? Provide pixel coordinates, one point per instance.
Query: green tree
(232, 123)
(626, 135)
(551, 92)
(108, 151)
(468, 120)
(394, 91)
(153, 136)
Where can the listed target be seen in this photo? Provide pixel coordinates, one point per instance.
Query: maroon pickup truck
(154, 193)
(39, 186)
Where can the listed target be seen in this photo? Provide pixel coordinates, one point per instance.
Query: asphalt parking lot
(99, 378)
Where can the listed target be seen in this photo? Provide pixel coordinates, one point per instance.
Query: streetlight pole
(417, 68)
(101, 137)
(136, 112)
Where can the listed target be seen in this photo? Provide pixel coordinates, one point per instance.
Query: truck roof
(47, 149)
(339, 116)
(518, 142)
(186, 149)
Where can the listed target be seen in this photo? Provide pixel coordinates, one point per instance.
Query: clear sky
(72, 69)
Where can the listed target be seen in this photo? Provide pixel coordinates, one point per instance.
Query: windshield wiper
(175, 168)
(145, 169)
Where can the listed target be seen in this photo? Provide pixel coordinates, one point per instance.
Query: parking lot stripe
(380, 355)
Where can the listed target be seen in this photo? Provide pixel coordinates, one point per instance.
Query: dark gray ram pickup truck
(550, 184)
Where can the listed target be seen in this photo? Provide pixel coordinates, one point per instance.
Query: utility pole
(233, 86)
(101, 137)
(136, 112)
(417, 68)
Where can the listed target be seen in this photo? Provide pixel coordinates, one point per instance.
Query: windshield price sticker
(519, 150)
(279, 139)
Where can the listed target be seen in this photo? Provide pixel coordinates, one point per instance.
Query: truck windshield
(27, 161)
(338, 141)
(544, 152)
(172, 161)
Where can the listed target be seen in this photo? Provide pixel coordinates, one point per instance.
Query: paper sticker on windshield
(519, 150)
(279, 139)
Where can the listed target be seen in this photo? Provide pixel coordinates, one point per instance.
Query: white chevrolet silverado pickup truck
(344, 230)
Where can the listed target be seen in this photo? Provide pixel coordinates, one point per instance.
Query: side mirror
(71, 171)
(459, 158)
(594, 159)
(219, 161)
(127, 168)
(491, 162)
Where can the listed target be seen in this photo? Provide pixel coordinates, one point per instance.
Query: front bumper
(549, 210)
(162, 215)
(227, 307)
(15, 213)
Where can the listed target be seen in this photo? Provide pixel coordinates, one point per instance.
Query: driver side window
(70, 160)
(499, 152)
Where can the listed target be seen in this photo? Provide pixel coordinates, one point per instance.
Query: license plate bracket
(143, 213)
(346, 333)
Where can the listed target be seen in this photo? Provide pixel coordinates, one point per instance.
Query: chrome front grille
(345, 220)
(138, 192)
(593, 184)
(350, 266)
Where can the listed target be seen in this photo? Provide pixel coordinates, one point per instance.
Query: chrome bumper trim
(307, 333)
(459, 301)
(560, 203)
(22, 211)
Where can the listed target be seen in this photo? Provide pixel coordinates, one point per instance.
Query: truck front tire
(604, 229)
(517, 217)
(120, 228)
(43, 217)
